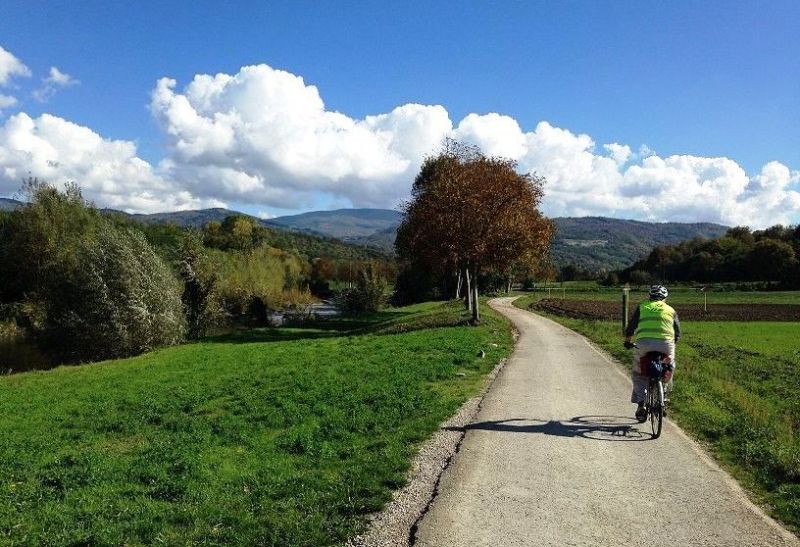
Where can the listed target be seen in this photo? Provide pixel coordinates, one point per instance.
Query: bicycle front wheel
(657, 408)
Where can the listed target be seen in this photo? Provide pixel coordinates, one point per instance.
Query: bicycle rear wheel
(656, 408)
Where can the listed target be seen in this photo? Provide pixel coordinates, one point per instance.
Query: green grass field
(273, 437)
(736, 390)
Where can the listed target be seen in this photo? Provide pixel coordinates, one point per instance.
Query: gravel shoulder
(553, 457)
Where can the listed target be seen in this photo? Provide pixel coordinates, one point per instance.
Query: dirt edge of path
(396, 524)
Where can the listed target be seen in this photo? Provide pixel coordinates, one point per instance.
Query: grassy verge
(271, 437)
(525, 300)
(736, 390)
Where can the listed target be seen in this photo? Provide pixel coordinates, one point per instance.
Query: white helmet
(658, 292)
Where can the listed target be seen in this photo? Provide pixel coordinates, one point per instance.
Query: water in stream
(18, 354)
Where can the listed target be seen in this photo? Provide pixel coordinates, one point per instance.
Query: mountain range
(594, 243)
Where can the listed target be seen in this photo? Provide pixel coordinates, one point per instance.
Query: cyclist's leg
(639, 387)
(669, 349)
(668, 386)
(639, 381)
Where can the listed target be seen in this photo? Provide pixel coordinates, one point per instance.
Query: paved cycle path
(555, 458)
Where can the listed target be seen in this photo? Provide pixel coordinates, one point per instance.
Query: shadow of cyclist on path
(598, 428)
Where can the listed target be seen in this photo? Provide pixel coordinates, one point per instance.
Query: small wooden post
(625, 301)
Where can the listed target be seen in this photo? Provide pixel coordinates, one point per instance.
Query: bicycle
(658, 367)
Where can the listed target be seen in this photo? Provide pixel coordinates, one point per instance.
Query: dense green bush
(368, 294)
(38, 240)
(85, 287)
(121, 300)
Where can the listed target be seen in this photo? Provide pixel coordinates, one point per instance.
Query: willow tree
(472, 213)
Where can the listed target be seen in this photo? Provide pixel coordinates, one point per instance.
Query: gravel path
(554, 458)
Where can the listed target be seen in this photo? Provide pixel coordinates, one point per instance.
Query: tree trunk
(508, 290)
(476, 305)
(458, 284)
(468, 295)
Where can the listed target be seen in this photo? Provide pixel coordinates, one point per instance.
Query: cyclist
(657, 328)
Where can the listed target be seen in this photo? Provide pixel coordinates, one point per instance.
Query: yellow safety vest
(656, 321)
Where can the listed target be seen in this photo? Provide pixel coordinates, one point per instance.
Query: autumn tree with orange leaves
(471, 214)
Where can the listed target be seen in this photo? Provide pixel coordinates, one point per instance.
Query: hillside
(312, 246)
(307, 244)
(594, 243)
(357, 225)
(607, 243)
(344, 233)
(195, 219)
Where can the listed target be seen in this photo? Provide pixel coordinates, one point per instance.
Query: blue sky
(715, 79)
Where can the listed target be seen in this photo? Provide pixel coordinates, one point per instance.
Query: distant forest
(767, 257)
(598, 245)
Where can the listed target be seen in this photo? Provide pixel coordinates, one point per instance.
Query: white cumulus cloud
(56, 81)
(265, 137)
(496, 135)
(10, 66)
(684, 188)
(6, 101)
(108, 171)
(621, 153)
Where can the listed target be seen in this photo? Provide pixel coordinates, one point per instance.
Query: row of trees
(320, 273)
(769, 255)
(470, 216)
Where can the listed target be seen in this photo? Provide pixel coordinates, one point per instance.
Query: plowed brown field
(612, 311)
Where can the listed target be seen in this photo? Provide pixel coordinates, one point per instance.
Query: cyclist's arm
(632, 324)
(677, 324)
